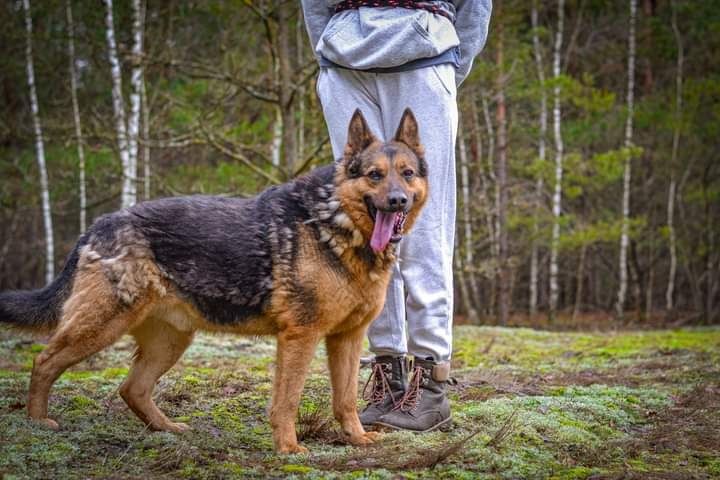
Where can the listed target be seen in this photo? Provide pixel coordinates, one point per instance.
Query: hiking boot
(388, 378)
(425, 406)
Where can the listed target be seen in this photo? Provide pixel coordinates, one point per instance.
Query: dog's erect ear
(359, 134)
(359, 138)
(408, 134)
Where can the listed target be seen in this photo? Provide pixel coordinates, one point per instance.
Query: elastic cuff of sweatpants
(387, 353)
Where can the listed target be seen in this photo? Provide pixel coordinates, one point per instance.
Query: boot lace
(413, 394)
(380, 385)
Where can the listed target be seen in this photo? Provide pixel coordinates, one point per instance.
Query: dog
(304, 261)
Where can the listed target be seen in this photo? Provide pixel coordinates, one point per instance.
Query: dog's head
(382, 186)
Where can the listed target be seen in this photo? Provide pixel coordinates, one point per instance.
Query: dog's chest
(359, 302)
(333, 292)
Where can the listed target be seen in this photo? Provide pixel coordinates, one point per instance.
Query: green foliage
(224, 177)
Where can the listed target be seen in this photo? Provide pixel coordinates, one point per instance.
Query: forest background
(587, 155)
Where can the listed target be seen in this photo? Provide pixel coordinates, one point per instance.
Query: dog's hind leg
(295, 349)
(92, 320)
(160, 345)
(343, 351)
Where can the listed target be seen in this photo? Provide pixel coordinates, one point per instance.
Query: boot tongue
(384, 225)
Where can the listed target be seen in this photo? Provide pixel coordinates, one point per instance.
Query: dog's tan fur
(128, 293)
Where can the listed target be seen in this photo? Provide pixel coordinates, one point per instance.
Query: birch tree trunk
(492, 221)
(39, 148)
(276, 145)
(485, 196)
(624, 235)
(289, 134)
(136, 81)
(146, 141)
(119, 109)
(501, 177)
(557, 194)
(541, 156)
(466, 274)
(464, 293)
(669, 293)
(579, 282)
(76, 116)
(299, 43)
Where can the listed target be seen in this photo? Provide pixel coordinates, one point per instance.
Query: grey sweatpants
(420, 294)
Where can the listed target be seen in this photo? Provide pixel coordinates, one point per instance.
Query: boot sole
(444, 426)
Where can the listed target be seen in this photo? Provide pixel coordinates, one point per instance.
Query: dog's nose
(397, 200)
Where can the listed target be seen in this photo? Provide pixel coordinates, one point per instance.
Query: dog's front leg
(295, 349)
(344, 362)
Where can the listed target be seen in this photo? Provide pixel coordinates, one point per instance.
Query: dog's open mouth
(388, 227)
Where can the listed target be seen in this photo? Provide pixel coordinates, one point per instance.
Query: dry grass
(691, 423)
(317, 423)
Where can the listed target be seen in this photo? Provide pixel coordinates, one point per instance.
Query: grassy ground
(528, 404)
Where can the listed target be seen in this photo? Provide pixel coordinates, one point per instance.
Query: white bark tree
(534, 269)
(39, 148)
(76, 116)
(624, 235)
(557, 194)
(504, 273)
(146, 141)
(669, 293)
(119, 109)
(485, 173)
(467, 257)
(277, 137)
(299, 44)
(492, 220)
(136, 82)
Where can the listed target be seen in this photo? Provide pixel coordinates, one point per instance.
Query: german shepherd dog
(303, 261)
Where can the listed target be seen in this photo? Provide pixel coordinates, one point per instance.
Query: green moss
(639, 465)
(80, 402)
(149, 453)
(114, 372)
(575, 473)
(564, 426)
(75, 376)
(233, 469)
(191, 380)
(292, 468)
(712, 467)
(11, 374)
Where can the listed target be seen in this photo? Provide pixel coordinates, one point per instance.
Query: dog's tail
(39, 310)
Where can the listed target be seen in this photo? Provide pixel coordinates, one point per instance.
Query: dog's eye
(375, 175)
(408, 174)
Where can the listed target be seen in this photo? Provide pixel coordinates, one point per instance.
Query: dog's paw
(47, 422)
(288, 449)
(366, 438)
(178, 427)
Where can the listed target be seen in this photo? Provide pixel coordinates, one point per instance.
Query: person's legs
(426, 253)
(421, 286)
(425, 256)
(341, 92)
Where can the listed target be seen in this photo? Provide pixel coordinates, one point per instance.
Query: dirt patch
(585, 378)
(598, 320)
(692, 423)
(484, 385)
(664, 368)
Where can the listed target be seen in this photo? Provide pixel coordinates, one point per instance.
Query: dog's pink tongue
(384, 225)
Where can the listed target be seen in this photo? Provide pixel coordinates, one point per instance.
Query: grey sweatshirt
(372, 38)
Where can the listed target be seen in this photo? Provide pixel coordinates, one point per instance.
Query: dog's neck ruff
(337, 230)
